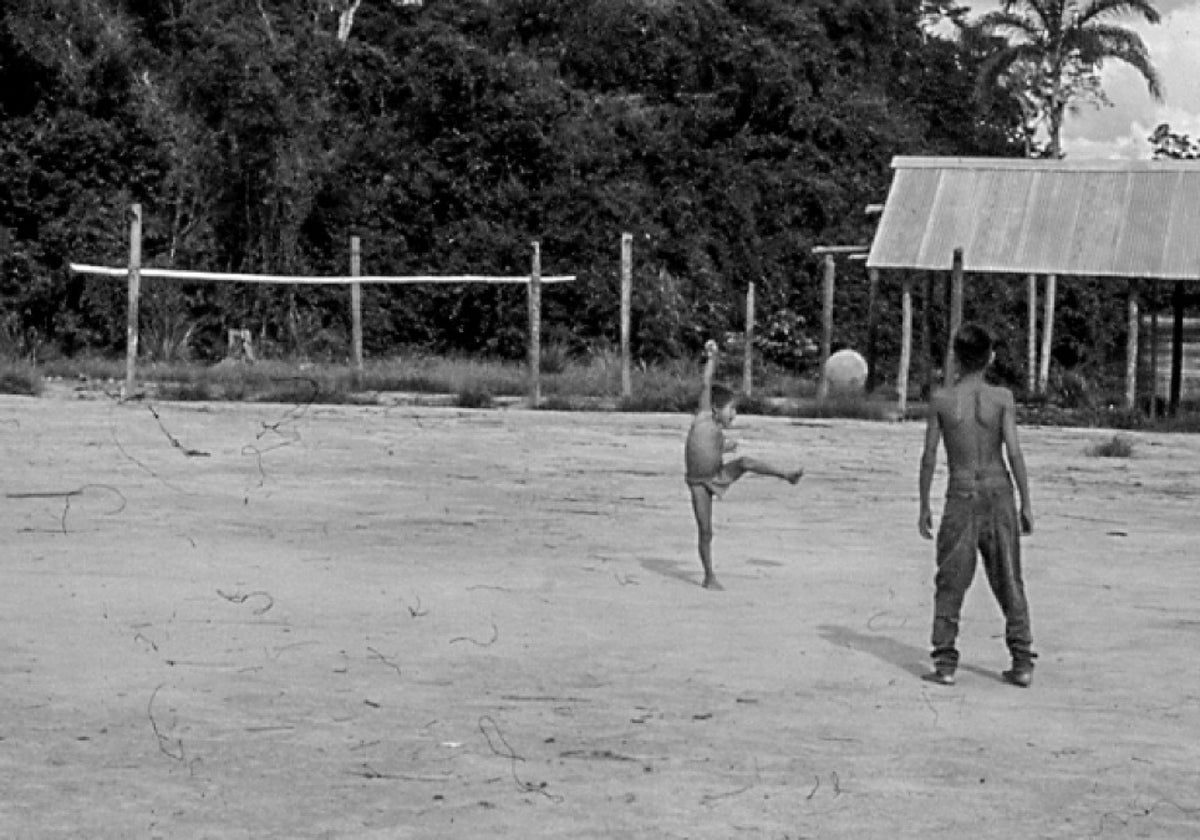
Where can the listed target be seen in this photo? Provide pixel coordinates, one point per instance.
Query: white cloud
(1121, 131)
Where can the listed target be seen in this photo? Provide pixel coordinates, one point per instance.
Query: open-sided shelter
(1126, 220)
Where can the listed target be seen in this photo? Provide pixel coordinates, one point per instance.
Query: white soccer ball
(846, 372)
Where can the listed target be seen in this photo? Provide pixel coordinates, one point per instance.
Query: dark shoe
(942, 676)
(1020, 676)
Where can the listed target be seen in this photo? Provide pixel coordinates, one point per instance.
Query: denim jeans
(982, 521)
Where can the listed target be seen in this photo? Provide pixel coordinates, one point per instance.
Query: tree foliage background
(729, 136)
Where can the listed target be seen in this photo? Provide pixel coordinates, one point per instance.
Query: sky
(1120, 131)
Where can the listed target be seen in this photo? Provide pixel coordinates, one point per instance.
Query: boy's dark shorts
(716, 484)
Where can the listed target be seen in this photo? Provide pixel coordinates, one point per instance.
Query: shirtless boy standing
(977, 421)
(708, 475)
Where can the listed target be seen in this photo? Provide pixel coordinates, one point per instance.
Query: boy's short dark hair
(973, 347)
(722, 396)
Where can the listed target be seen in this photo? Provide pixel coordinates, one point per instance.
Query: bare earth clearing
(257, 621)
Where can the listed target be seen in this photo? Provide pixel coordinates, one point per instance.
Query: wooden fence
(534, 281)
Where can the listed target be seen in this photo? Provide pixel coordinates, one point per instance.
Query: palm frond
(1045, 11)
(1006, 25)
(1098, 10)
(1120, 44)
(999, 63)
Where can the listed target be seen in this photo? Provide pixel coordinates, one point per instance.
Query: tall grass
(19, 377)
(276, 381)
(570, 382)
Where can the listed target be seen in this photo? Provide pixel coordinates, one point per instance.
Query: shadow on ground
(907, 657)
(668, 567)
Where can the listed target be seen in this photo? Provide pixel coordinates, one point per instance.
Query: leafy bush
(1119, 446)
(1072, 390)
(474, 395)
(784, 340)
(1184, 423)
(1119, 418)
(20, 378)
(555, 358)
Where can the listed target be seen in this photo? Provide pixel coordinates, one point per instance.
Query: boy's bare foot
(794, 476)
(711, 583)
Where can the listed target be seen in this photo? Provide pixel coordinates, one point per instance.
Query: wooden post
(828, 278)
(748, 363)
(872, 319)
(906, 318)
(1031, 335)
(956, 310)
(356, 301)
(1131, 349)
(626, 307)
(1047, 333)
(1176, 349)
(135, 283)
(1154, 350)
(535, 327)
(927, 329)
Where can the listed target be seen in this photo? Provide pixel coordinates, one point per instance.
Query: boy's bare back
(978, 424)
(971, 415)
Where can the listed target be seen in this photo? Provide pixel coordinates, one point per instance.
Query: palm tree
(1053, 50)
(1049, 61)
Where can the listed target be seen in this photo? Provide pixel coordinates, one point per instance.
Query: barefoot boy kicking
(707, 474)
(978, 424)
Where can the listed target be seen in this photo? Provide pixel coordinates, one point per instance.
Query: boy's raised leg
(745, 464)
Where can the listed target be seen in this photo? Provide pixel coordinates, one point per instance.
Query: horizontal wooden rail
(840, 249)
(179, 274)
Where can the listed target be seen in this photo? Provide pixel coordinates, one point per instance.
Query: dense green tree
(729, 136)
(1170, 145)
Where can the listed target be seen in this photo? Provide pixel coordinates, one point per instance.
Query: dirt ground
(271, 621)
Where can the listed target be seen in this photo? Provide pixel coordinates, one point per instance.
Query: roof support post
(1031, 285)
(872, 323)
(1176, 348)
(1154, 350)
(1047, 333)
(956, 311)
(927, 330)
(906, 324)
(1132, 348)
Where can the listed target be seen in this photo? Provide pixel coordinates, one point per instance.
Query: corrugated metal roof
(1088, 218)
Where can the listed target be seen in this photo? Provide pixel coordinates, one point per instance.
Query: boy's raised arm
(710, 368)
